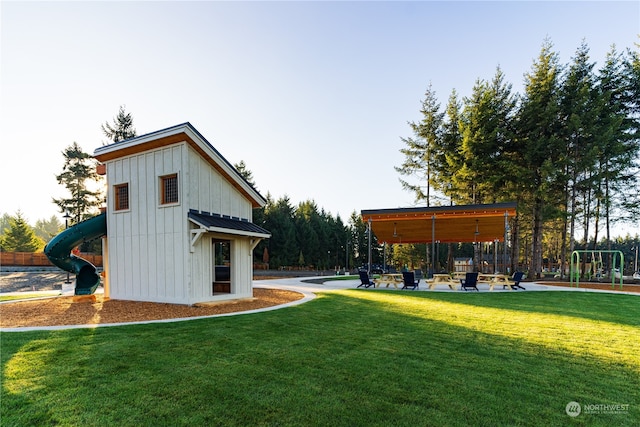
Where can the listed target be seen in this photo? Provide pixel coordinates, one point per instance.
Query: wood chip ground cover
(59, 311)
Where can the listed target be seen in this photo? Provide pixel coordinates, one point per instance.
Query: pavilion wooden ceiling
(453, 224)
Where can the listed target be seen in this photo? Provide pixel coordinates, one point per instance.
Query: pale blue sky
(313, 96)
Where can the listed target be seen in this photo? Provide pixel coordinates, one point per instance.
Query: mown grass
(25, 296)
(347, 358)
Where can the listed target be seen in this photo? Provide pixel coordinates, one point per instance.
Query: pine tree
(308, 228)
(5, 220)
(577, 115)
(540, 145)
(245, 173)
(122, 127)
(617, 128)
(360, 242)
(449, 160)
(486, 129)
(283, 247)
(421, 149)
(47, 229)
(79, 169)
(20, 237)
(630, 204)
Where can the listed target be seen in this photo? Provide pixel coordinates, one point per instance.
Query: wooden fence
(39, 259)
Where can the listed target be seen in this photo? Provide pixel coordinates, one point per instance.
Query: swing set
(595, 267)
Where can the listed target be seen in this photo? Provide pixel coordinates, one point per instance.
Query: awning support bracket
(195, 236)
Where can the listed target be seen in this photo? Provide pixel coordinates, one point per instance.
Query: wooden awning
(445, 224)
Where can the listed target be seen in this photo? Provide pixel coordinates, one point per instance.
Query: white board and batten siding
(147, 240)
(210, 192)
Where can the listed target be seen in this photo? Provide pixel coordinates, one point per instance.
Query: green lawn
(24, 296)
(347, 358)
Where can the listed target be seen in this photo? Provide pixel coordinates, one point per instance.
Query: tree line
(566, 150)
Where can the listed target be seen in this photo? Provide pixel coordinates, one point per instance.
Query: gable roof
(184, 132)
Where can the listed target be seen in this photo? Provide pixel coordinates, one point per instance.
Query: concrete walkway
(299, 284)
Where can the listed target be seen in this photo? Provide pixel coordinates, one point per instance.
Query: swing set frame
(576, 262)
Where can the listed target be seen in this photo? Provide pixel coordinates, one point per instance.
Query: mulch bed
(592, 285)
(63, 311)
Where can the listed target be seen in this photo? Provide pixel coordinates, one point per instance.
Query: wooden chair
(515, 281)
(470, 281)
(365, 281)
(409, 280)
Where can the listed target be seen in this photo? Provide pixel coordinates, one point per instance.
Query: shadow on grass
(341, 360)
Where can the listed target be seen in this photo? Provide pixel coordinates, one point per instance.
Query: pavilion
(441, 224)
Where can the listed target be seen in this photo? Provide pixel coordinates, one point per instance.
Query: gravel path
(33, 281)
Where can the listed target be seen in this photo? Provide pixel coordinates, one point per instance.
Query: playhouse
(178, 220)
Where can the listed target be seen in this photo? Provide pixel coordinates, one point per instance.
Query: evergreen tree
(19, 236)
(47, 229)
(245, 173)
(122, 127)
(283, 248)
(468, 178)
(359, 241)
(617, 127)
(630, 206)
(541, 146)
(337, 238)
(577, 116)
(421, 149)
(448, 159)
(486, 129)
(340, 240)
(79, 169)
(501, 127)
(308, 231)
(4, 222)
(259, 218)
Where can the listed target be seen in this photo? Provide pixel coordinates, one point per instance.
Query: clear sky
(313, 96)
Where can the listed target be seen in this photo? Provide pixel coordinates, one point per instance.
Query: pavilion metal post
(384, 257)
(369, 249)
(476, 266)
(433, 246)
(506, 228)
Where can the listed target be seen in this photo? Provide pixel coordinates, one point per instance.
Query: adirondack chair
(515, 281)
(409, 280)
(365, 281)
(470, 281)
(418, 274)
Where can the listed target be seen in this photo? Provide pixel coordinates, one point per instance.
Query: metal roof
(227, 225)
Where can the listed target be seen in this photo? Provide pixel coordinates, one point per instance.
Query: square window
(121, 193)
(169, 189)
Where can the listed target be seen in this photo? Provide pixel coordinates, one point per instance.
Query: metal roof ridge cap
(150, 136)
